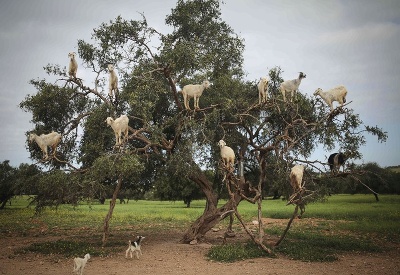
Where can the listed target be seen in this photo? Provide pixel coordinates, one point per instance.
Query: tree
(164, 139)
(7, 177)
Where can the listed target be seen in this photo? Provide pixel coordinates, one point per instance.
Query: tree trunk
(106, 228)
(211, 215)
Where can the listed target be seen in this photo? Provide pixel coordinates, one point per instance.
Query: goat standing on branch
(290, 87)
(336, 94)
(120, 126)
(227, 154)
(336, 160)
(113, 82)
(44, 141)
(195, 92)
(296, 180)
(72, 66)
(296, 177)
(262, 90)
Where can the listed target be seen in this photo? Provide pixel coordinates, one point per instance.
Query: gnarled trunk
(211, 215)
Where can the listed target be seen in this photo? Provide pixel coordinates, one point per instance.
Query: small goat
(296, 177)
(194, 91)
(262, 90)
(290, 87)
(336, 160)
(113, 82)
(336, 94)
(296, 180)
(227, 154)
(44, 141)
(73, 65)
(79, 264)
(134, 247)
(120, 126)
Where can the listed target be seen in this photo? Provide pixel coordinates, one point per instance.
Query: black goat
(335, 161)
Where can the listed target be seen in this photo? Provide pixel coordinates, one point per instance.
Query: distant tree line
(60, 187)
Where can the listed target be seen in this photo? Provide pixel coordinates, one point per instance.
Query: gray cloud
(354, 43)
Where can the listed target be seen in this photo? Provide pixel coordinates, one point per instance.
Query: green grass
(67, 248)
(235, 252)
(343, 223)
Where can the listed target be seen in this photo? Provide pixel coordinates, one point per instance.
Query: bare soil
(163, 254)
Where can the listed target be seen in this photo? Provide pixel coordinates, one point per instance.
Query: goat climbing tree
(164, 138)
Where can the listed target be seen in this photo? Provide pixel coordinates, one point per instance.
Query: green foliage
(54, 188)
(7, 176)
(235, 252)
(381, 180)
(201, 42)
(315, 247)
(111, 167)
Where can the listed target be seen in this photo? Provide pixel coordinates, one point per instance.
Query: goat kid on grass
(79, 264)
(134, 247)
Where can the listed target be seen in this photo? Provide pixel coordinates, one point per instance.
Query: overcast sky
(351, 43)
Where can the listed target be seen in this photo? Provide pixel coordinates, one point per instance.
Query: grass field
(342, 222)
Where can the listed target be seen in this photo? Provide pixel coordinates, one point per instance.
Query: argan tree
(164, 138)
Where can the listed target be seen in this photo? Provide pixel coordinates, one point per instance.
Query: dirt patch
(163, 254)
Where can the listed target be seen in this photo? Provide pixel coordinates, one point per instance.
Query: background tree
(7, 178)
(165, 139)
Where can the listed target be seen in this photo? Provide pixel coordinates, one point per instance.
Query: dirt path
(164, 255)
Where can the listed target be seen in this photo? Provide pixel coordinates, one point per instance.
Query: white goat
(262, 90)
(79, 264)
(336, 94)
(44, 141)
(227, 154)
(119, 125)
(194, 91)
(296, 177)
(113, 81)
(134, 247)
(291, 86)
(73, 65)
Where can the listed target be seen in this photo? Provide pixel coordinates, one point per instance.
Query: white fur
(44, 141)
(227, 154)
(262, 90)
(79, 264)
(336, 94)
(119, 125)
(113, 81)
(73, 65)
(134, 247)
(290, 87)
(194, 91)
(296, 177)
